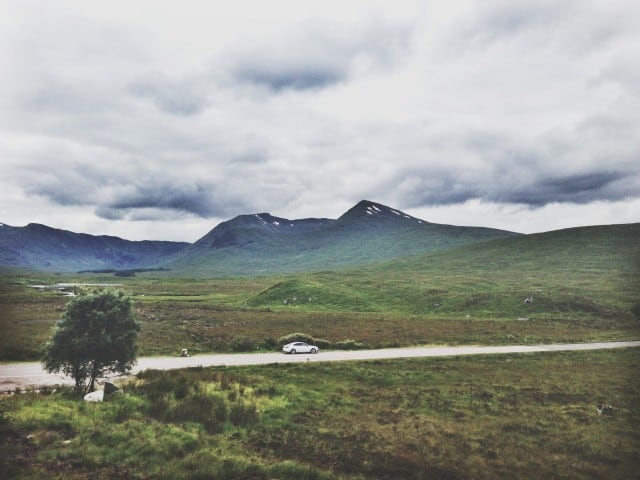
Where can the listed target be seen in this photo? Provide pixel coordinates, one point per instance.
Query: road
(31, 374)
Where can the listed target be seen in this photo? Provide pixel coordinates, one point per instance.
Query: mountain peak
(368, 209)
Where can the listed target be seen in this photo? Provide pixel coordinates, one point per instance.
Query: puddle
(68, 289)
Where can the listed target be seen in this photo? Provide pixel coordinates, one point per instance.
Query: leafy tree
(96, 336)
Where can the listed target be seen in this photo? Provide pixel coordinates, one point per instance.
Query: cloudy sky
(157, 119)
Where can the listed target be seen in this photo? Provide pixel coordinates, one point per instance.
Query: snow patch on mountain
(373, 210)
(261, 219)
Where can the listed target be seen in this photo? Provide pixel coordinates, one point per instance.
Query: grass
(518, 416)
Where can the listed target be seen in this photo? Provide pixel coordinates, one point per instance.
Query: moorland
(567, 286)
(522, 416)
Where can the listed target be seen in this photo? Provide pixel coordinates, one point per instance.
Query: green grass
(515, 416)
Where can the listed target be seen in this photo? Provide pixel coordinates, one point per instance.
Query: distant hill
(40, 247)
(262, 244)
(577, 273)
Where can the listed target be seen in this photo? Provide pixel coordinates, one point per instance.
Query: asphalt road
(31, 374)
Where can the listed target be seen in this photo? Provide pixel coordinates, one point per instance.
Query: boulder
(97, 396)
(110, 388)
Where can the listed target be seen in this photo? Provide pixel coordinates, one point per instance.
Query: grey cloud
(577, 27)
(147, 200)
(285, 78)
(66, 180)
(433, 188)
(138, 215)
(321, 56)
(175, 97)
(60, 194)
(115, 196)
(520, 186)
(492, 167)
(192, 198)
(510, 18)
(110, 213)
(579, 188)
(52, 95)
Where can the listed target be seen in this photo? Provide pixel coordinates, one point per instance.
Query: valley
(582, 283)
(516, 414)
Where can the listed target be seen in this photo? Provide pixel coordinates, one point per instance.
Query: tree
(96, 336)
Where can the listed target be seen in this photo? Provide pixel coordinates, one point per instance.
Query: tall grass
(516, 416)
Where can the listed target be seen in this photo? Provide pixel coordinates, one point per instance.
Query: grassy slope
(515, 416)
(590, 271)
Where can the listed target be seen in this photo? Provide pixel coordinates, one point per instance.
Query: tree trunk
(94, 374)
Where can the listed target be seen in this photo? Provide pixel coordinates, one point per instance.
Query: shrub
(243, 344)
(125, 407)
(212, 411)
(182, 388)
(157, 407)
(322, 344)
(295, 337)
(270, 344)
(159, 386)
(349, 345)
(243, 413)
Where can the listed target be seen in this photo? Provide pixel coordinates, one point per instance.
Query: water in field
(69, 289)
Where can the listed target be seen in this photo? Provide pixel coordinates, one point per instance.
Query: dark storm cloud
(193, 198)
(516, 186)
(580, 188)
(115, 196)
(145, 201)
(437, 187)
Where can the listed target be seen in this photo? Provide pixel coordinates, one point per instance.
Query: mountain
(40, 247)
(262, 244)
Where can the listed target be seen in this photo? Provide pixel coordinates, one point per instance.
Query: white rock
(96, 396)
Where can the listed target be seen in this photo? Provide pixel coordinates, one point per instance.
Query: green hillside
(586, 272)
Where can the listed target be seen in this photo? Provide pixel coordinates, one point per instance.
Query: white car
(299, 347)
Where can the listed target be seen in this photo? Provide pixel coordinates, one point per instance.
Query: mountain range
(368, 232)
(39, 247)
(252, 244)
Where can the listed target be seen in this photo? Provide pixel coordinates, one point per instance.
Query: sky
(160, 119)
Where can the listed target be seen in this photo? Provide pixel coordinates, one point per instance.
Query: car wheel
(293, 351)
(313, 350)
